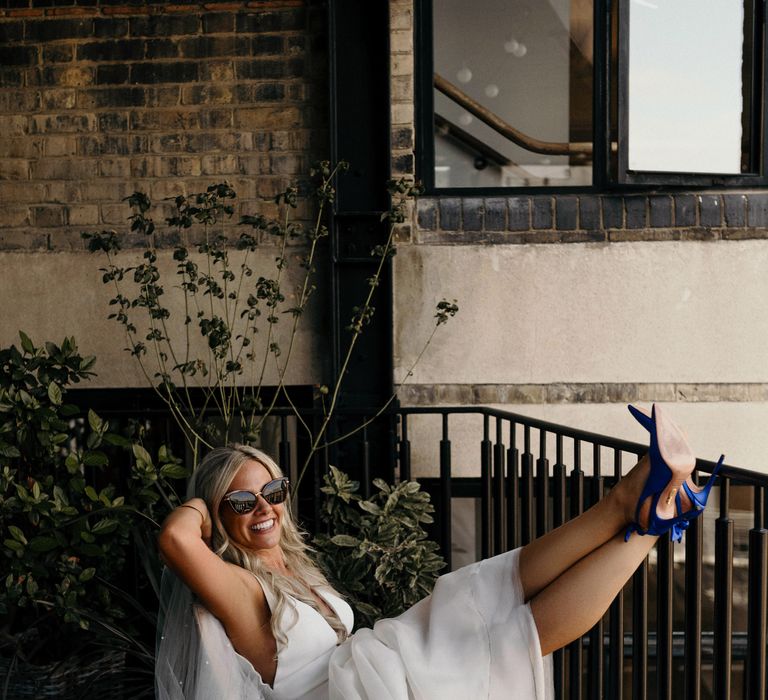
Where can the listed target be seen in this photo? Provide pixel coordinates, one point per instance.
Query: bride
(249, 615)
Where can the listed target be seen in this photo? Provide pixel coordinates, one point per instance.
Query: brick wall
(99, 98)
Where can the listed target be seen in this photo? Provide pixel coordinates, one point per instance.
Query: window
(537, 93)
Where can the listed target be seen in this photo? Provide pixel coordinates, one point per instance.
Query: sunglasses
(274, 492)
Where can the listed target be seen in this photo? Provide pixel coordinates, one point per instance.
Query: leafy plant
(377, 553)
(66, 518)
(230, 311)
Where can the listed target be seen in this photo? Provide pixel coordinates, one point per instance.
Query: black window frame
(603, 122)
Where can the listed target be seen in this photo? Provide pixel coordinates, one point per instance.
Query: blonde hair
(211, 482)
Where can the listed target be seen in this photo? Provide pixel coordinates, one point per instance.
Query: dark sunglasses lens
(242, 502)
(275, 491)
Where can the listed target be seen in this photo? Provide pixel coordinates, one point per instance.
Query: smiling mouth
(263, 527)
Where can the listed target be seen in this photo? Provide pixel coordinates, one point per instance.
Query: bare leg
(549, 556)
(572, 604)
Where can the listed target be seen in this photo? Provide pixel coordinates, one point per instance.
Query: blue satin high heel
(699, 497)
(658, 479)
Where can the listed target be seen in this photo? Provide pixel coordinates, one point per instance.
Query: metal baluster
(664, 588)
(284, 447)
(499, 502)
(365, 448)
(596, 664)
(405, 451)
(640, 631)
(527, 505)
(694, 543)
(575, 651)
(616, 628)
(513, 510)
(446, 536)
(558, 518)
(486, 515)
(754, 686)
(542, 486)
(723, 623)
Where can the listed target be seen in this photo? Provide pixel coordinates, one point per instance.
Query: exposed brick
(20, 147)
(83, 215)
(179, 72)
(710, 210)
(112, 74)
(114, 167)
(57, 29)
(269, 45)
(566, 210)
(685, 210)
(18, 192)
(660, 211)
(163, 25)
(495, 214)
(217, 71)
(113, 121)
(163, 96)
(636, 212)
(103, 144)
(268, 118)
(589, 213)
(265, 21)
(402, 163)
(123, 50)
(219, 22)
(267, 69)
(220, 165)
(161, 48)
(111, 98)
(541, 215)
(519, 209)
(61, 123)
(63, 169)
(179, 166)
(13, 125)
(14, 169)
(402, 138)
(207, 94)
(11, 77)
(473, 212)
(735, 210)
(757, 209)
(53, 100)
(426, 214)
(58, 53)
(111, 27)
(19, 55)
(269, 92)
(613, 211)
(67, 76)
(19, 101)
(60, 146)
(15, 216)
(216, 119)
(48, 216)
(213, 46)
(116, 214)
(11, 31)
(450, 213)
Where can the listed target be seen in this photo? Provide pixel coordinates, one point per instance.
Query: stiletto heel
(698, 497)
(662, 471)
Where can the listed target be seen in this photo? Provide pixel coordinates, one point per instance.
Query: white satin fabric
(474, 637)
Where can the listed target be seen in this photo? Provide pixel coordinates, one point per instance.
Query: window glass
(688, 87)
(526, 66)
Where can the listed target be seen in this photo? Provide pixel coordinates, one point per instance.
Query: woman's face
(258, 530)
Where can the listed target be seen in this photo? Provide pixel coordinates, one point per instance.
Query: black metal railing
(690, 624)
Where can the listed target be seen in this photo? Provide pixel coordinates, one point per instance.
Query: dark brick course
(519, 212)
(660, 211)
(735, 210)
(495, 214)
(636, 214)
(542, 212)
(589, 213)
(450, 214)
(473, 214)
(710, 211)
(566, 213)
(685, 210)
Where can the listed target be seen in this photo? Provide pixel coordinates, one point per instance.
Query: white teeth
(264, 526)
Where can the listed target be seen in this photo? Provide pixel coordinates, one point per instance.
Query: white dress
(474, 637)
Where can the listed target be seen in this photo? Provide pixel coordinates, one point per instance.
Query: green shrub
(67, 518)
(378, 554)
